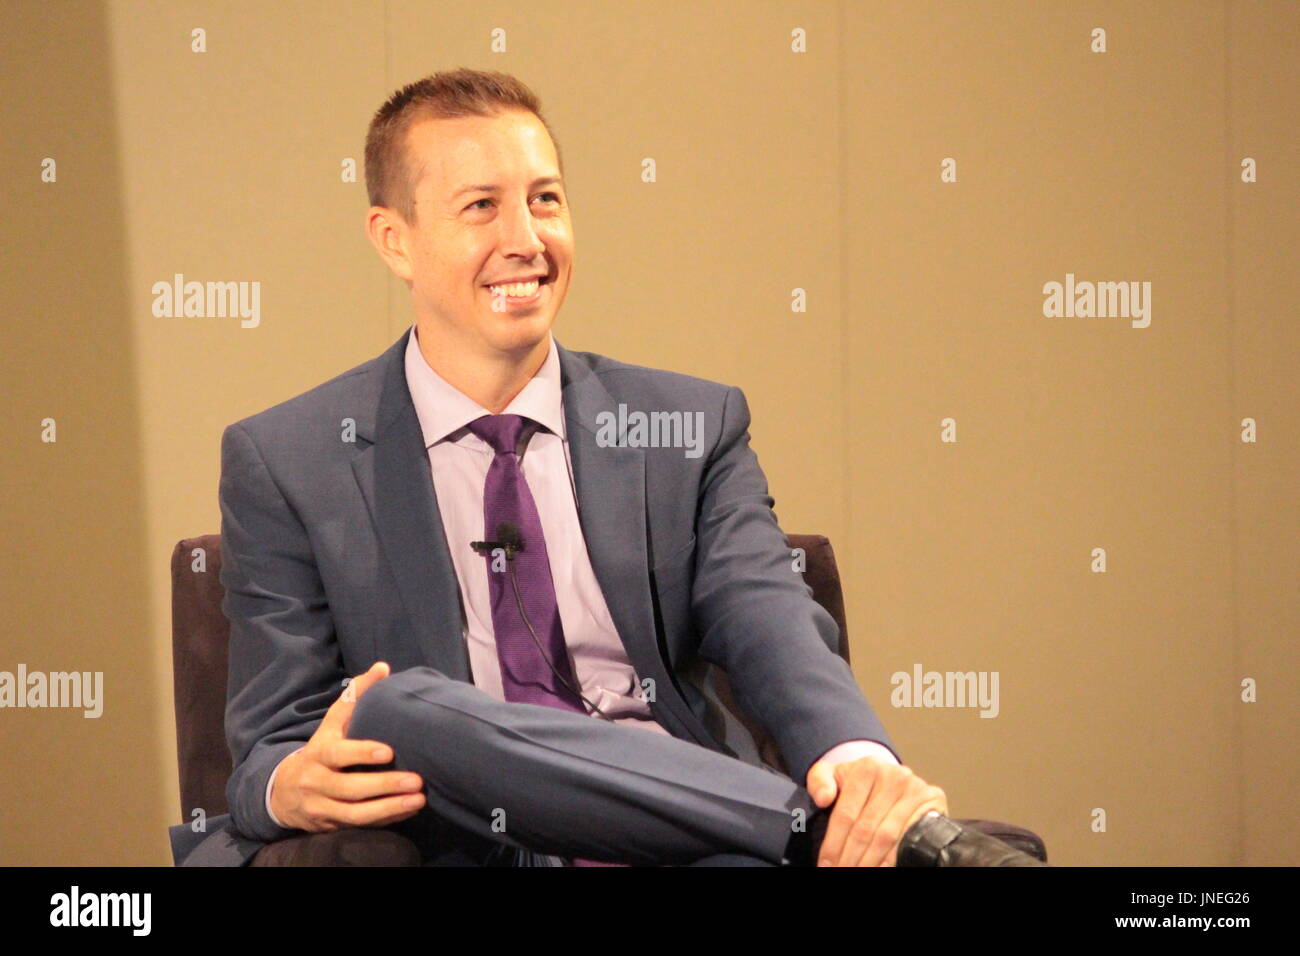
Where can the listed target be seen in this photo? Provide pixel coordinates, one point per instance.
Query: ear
(390, 236)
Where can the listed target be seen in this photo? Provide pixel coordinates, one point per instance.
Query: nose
(519, 238)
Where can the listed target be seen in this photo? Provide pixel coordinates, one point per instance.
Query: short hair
(390, 175)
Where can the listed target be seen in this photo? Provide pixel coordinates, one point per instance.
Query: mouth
(520, 292)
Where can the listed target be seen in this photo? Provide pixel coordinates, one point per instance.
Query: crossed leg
(561, 783)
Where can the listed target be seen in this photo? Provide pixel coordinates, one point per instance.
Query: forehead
(447, 154)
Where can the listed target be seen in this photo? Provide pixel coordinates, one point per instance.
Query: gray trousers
(556, 782)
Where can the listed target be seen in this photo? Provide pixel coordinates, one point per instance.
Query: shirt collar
(443, 409)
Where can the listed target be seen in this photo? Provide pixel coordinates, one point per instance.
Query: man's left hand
(875, 803)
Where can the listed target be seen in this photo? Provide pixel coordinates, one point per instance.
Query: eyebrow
(493, 188)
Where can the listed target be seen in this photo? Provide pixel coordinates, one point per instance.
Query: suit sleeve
(285, 668)
(756, 617)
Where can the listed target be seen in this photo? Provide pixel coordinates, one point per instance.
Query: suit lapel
(393, 474)
(611, 489)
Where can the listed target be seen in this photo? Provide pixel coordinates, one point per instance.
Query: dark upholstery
(200, 635)
(200, 639)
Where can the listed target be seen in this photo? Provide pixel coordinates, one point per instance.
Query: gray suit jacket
(334, 557)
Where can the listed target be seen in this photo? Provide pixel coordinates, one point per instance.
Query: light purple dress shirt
(459, 461)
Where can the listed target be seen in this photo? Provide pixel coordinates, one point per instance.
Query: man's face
(490, 209)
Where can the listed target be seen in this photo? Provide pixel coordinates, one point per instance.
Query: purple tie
(525, 676)
(510, 514)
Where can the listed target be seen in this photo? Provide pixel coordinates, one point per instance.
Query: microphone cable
(511, 543)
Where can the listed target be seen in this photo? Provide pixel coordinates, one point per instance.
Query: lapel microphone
(511, 542)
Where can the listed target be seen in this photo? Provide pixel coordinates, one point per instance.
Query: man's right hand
(313, 792)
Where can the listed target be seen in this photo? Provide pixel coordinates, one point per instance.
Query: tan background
(776, 171)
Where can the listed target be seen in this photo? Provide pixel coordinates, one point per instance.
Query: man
(529, 603)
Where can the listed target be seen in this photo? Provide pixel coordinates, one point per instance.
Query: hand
(313, 792)
(875, 803)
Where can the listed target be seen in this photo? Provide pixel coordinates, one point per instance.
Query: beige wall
(776, 170)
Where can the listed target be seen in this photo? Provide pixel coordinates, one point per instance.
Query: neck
(492, 380)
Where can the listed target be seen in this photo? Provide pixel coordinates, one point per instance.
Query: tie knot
(505, 433)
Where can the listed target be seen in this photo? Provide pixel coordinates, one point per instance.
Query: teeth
(516, 290)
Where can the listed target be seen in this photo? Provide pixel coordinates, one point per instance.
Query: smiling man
(529, 608)
(481, 233)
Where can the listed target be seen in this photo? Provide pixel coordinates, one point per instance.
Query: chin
(520, 333)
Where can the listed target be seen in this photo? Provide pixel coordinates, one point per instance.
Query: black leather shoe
(935, 840)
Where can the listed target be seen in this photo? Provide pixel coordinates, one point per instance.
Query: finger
(394, 818)
(367, 813)
(366, 786)
(855, 780)
(889, 786)
(935, 800)
(821, 783)
(894, 824)
(341, 752)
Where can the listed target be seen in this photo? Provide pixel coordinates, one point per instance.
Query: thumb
(378, 671)
(341, 712)
(822, 784)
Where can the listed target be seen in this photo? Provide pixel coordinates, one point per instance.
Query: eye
(555, 199)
